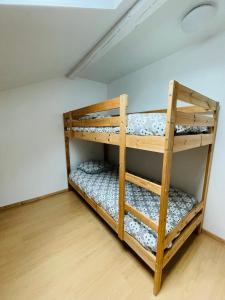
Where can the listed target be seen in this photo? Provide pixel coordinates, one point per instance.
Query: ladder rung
(143, 218)
(151, 186)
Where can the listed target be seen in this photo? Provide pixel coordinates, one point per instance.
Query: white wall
(202, 68)
(32, 154)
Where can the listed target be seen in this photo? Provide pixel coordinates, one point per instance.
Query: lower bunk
(98, 184)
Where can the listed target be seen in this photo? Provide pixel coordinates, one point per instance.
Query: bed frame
(202, 112)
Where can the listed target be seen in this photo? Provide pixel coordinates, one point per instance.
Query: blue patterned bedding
(104, 189)
(144, 124)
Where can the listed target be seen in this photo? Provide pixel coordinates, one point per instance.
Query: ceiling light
(198, 17)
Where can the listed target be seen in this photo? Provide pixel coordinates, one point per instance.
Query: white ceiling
(39, 43)
(104, 4)
(157, 37)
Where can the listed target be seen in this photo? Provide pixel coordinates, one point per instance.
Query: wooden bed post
(208, 167)
(67, 148)
(122, 163)
(166, 170)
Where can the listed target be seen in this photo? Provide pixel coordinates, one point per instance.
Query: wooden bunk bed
(202, 112)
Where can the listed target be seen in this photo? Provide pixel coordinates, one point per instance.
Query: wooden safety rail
(202, 111)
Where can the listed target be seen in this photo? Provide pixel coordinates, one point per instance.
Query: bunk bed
(179, 128)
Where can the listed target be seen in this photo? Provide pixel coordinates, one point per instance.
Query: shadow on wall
(187, 167)
(83, 150)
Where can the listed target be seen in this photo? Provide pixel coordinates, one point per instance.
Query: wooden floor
(58, 248)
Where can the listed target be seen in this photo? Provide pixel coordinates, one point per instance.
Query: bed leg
(157, 280)
(198, 229)
(70, 188)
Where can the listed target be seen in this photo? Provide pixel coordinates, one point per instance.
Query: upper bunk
(193, 125)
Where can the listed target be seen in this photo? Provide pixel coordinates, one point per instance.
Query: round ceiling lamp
(198, 17)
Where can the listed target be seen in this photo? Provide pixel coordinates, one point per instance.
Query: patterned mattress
(143, 124)
(103, 188)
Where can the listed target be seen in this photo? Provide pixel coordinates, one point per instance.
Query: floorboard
(58, 248)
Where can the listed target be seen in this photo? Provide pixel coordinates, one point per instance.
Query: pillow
(94, 167)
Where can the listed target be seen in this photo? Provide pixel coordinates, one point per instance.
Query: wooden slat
(185, 109)
(151, 186)
(101, 122)
(142, 217)
(150, 143)
(163, 110)
(207, 139)
(145, 255)
(180, 226)
(122, 162)
(185, 142)
(181, 239)
(181, 143)
(90, 201)
(188, 109)
(106, 217)
(105, 138)
(184, 118)
(193, 109)
(188, 95)
(101, 106)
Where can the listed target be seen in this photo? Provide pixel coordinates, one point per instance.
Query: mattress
(103, 188)
(144, 124)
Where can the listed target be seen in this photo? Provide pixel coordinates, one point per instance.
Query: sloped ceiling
(157, 37)
(39, 43)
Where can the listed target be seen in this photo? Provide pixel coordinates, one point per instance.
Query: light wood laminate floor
(58, 249)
